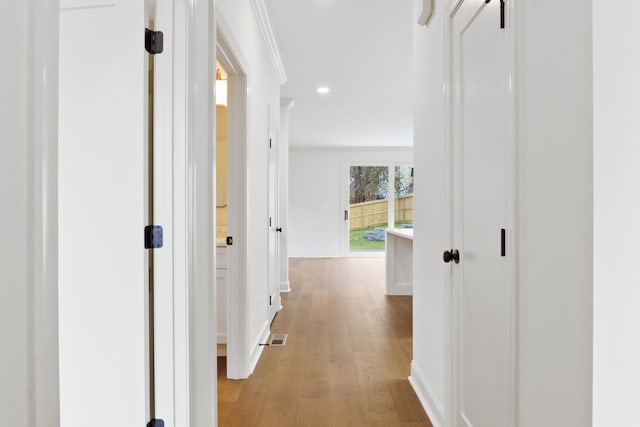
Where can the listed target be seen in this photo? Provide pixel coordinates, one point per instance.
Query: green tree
(368, 183)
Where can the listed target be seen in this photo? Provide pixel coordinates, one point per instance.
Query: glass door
(368, 213)
(403, 203)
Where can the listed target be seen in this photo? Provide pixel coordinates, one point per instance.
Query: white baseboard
(257, 348)
(429, 401)
(285, 287)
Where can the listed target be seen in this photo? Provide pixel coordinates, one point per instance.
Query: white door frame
(451, 396)
(187, 116)
(230, 57)
(43, 59)
(185, 322)
(273, 283)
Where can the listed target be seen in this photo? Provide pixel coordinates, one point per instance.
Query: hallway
(346, 359)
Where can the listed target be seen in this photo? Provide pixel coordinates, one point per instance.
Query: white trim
(285, 287)
(427, 397)
(222, 338)
(257, 348)
(200, 215)
(264, 22)
(229, 53)
(43, 105)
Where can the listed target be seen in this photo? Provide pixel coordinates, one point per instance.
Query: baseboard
(425, 394)
(284, 287)
(257, 348)
(222, 338)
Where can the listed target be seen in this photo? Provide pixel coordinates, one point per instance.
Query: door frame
(42, 198)
(184, 162)
(273, 282)
(451, 396)
(231, 58)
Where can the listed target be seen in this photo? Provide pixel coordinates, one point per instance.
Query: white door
(481, 315)
(102, 194)
(273, 287)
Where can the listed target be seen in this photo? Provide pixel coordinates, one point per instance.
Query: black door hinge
(229, 240)
(346, 215)
(269, 142)
(153, 237)
(153, 41)
(503, 242)
(502, 18)
(269, 221)
(155, 423)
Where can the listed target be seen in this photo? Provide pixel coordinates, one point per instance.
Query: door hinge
(155, 423)
(153, 237)
(346, 215)
(269, 142)
(502, 17)
(153, 41)
(270, 300)
(229, 241)
(503, 242)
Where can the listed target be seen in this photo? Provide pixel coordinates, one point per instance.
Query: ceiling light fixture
(323, 90)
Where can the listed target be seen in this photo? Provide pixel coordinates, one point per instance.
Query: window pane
(404, 197)
(368, 207)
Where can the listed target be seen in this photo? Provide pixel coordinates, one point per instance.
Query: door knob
(452, 255)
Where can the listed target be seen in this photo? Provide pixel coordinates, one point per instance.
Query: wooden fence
(376, 213)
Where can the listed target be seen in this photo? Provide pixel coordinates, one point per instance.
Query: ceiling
(362, 51)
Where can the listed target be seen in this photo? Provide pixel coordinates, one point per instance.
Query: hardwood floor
(346, 360)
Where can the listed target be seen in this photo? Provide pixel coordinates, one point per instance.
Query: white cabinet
(399, 254)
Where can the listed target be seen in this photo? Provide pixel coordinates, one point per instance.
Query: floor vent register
(278, 339)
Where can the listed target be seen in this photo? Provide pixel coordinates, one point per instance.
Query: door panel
(102, 193)
(481, 316)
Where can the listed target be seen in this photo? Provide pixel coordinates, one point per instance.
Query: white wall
(263, 110)
(430, 234)
(555, 193)
(616, 214)
(554, 202)
(318, 180)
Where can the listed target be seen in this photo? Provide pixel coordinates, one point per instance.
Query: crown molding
(264, 22)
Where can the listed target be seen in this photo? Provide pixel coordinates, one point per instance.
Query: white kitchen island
(399, 257)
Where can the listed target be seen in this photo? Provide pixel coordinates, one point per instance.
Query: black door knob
(452, 255)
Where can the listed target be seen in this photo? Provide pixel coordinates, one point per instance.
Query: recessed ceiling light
(323, 90)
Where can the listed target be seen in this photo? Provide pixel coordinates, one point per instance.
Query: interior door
(481, 315)
(273, 287)
(102, 211)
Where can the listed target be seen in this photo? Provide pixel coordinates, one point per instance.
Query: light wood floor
(346, 360)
